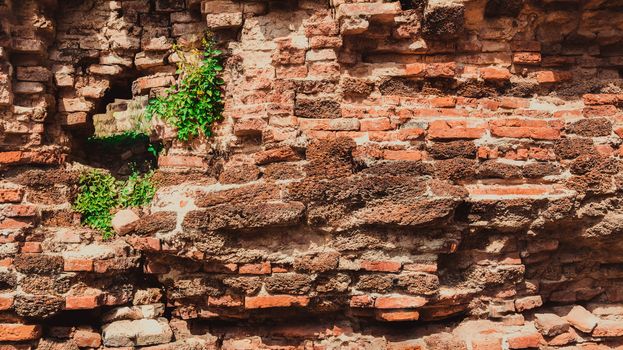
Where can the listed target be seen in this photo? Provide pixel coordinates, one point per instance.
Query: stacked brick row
(387, 174)
(124, 51)
(26, 92)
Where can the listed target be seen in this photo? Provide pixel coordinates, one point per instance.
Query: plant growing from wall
(99, 193)
(96, 197)
(195, 102)
(126, 140)
(138, 190)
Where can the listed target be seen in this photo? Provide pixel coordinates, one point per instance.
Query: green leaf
(195, 102)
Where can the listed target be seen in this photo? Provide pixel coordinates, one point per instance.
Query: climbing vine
(195, 102)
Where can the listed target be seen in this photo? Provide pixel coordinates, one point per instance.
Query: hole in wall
(407, 4)
(120, 153)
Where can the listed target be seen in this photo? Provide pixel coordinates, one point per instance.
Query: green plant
(195, 102)
(137, 190)
(99, 193)
(118, 140)
(124, 141)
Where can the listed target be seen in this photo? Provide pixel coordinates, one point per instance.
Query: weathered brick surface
(379, 161)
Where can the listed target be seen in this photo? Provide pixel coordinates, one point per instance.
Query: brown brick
(255, 269)
(399, 302)
(82, 302)
(6, 302)
(381, 266)
(397, 315)
(275, 301)
(19, 332)
(87, 339)
(77, 265)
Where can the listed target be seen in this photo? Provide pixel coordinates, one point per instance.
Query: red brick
(527, 58)
(327, 26)
(600, 111)
(361, 301)
(421, 267)
(281, 154)
(249, 126)
(397, 315)
(525, 339)
(486, 342)
(6, 262)
(443, 102)
(602, 99)
(408, 134)
(487, 153)
(9, 223)
(415, 69)
(489, 104)
(514, 102)
(318, 42)
(500, 190)
(329, 70)
(375, 124)
(523, 128)
(6, 302)
(528, 303)
(382, 136)
(74, 105)
(144, 84)
(31, 247)
(314, 124)
(19, 332)
(82, 302)
(12, 157)
(608, 328)
(399, 302)
(381, 266)
(273, 301)
(549, 77)
(449, 130)
(11, 195)
(440, 70)
(255, 269)
(77, 265)
(412, 155)
(375, 10)
(492, 73)
(75, 119)
(220, 7)
(20, 210)
(456, 133)
(87, 339)
(291, 72)
(570, 336)
(145, 243)
(582, 319)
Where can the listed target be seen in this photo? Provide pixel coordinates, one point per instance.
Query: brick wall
(388, 175)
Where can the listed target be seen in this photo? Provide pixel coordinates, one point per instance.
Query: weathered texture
(454, 166)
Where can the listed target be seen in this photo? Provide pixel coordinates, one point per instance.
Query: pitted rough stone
(137, 332)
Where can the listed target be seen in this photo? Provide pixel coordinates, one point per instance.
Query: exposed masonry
(389, 175)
